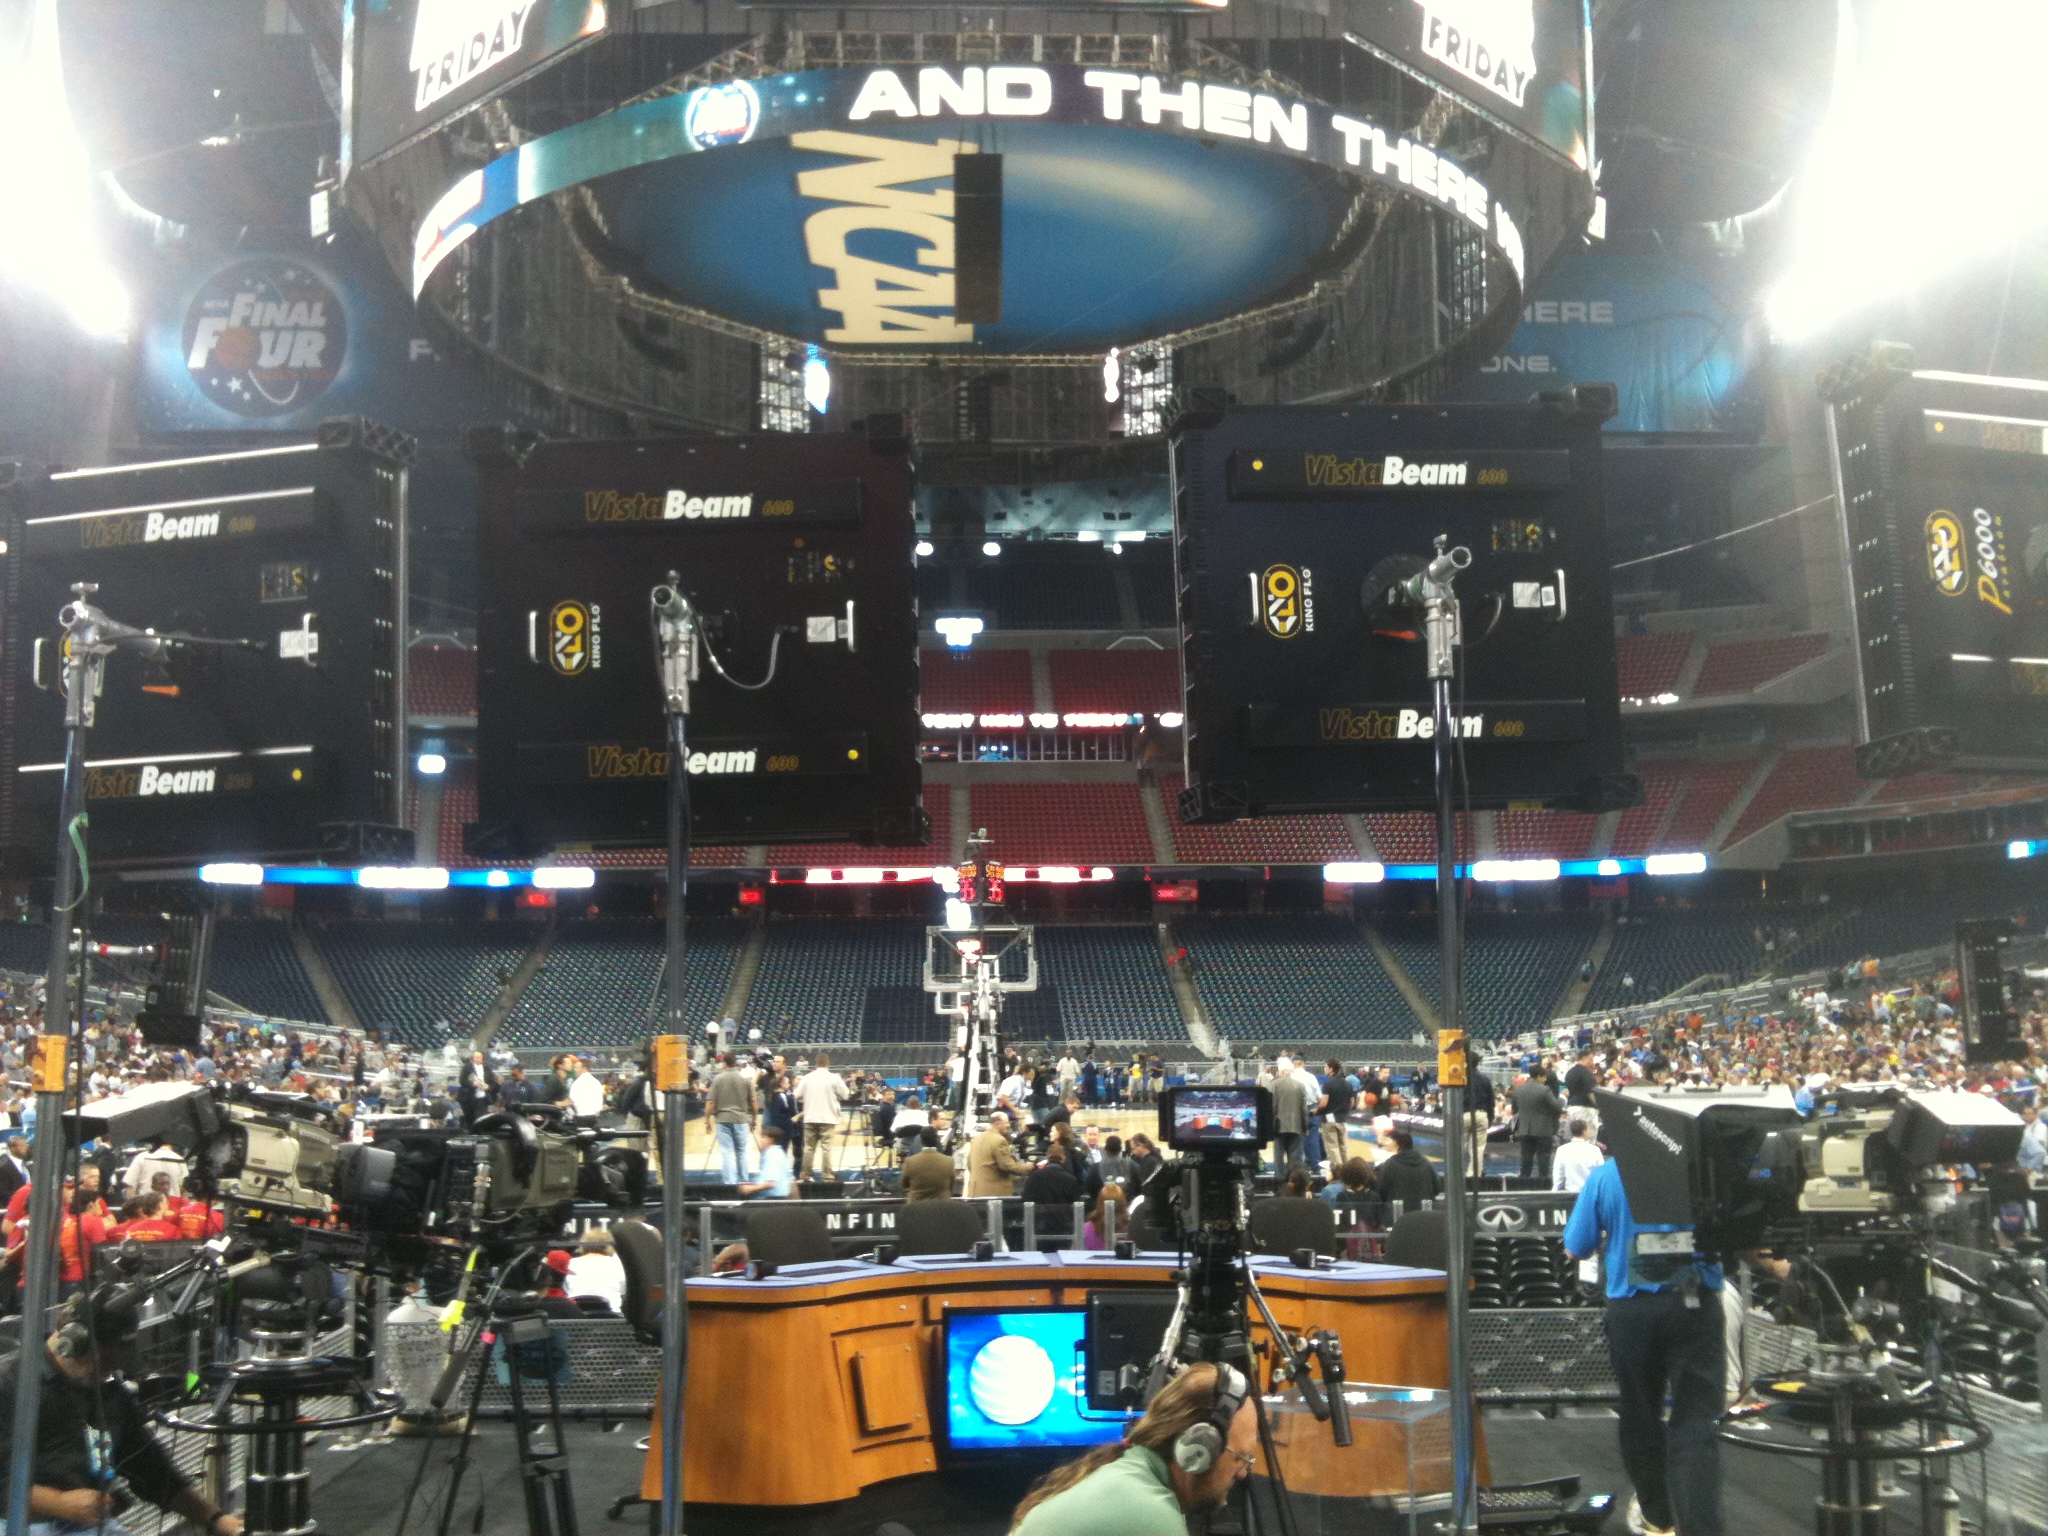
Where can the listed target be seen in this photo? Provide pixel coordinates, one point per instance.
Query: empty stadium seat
(1737, 667)
(816, 974)
(1111, 981)
(1663, 951)
(1517, 964)
(1802, 779)
(978, 681)
(1125, 679)
(409, 978)
(1662, 783)
(1064, 823)
(1292, 977)
(1707, 796)
(1266, 840)
(1544, 834)
(441, 682)
(602, 983)
(1649, 665)
(255, 967)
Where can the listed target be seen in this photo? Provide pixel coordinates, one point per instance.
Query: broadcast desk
(850, 1351)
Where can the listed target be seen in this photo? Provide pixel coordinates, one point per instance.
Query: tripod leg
(565, 1495)
(458, 1464)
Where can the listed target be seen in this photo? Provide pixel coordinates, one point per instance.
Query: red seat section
(1405, 837)
(1650, 664)
(1544, 834)
(1803, 779)
(1743, 666)
(1661, 784)
(441, 682)
(975, 682)
(1127, 679)
(1064, 823)
(938, 804)
(1268, 840)
(1707, 798)
(458, 809)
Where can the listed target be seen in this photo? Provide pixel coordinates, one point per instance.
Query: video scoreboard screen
(1305, 688)
(412, 65)
(291, 746)
(805, 538)
(1944, 500)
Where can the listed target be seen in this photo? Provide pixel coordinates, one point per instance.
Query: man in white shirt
(145, 1166)
(1069, 1074)
(586, 1093)
(1575, 1159)
(819, 1093)
(1013, 1097)
(596, 1271)
(775, 1181)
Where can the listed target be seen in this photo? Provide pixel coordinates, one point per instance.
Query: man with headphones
(91, 1430)
(1198, 1438)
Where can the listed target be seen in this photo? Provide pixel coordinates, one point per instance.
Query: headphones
(1200, 1446)
(74, 1339)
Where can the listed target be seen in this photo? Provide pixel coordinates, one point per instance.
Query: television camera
(1869, 1156)
(508, 1179)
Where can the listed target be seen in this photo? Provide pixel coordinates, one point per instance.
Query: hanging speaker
(978, 239)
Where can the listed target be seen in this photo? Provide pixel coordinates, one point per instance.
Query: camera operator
(90, 1429)
(1665, 1323)
(1196, 1441)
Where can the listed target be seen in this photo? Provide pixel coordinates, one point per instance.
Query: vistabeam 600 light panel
(1304, 686)
(1942, 490)
(805, 537)
(293, 748)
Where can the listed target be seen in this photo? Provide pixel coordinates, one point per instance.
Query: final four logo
(717, 115)
(265, 337)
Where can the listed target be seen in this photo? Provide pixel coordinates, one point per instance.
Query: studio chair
(639, 1247)
(1286, 1223)
(1419, 1240)
(787, 1234)
(938, 1226)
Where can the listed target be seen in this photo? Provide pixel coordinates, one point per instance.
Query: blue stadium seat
(598, 985)
(1292, 977)
(409, 979)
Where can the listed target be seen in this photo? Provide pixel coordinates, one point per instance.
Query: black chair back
(641, 1255)
(1419, 1240)
(1286, 1222)
(939, 1226)
(785, 1232)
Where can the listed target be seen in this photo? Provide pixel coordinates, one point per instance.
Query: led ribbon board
(1300, 698)
(818, 204)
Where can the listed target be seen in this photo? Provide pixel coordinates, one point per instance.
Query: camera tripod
(515, 1328)
(1210, 1323)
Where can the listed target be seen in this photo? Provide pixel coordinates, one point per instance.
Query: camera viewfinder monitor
(1234, 1119)
(1016, 1381)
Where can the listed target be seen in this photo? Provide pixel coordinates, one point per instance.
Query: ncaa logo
(717, 115)
(265, 337)
(1946, 565)
(1280, 601)
(569, 648)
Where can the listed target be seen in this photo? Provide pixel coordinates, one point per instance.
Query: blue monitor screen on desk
(1014, 1382)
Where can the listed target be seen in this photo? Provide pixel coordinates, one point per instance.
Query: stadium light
(565, 877)
(2019, 848)
(431, 764)
(959, 629)
(1354, 874)
(46, 240)
(1675, 864)
(1112, 377)
(1889, 199)
(923, 549)
(1609, 868)
(231, 874)
(817, 380)
(991, 548)
(959, 916)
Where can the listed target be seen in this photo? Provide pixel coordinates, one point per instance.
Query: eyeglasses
(1249, 1458)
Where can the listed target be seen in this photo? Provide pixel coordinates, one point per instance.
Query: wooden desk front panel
(856, 1368)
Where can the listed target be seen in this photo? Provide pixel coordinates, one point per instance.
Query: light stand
(675, 634)
(1431, 588)
(90, 637)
